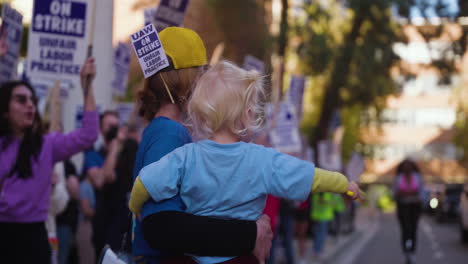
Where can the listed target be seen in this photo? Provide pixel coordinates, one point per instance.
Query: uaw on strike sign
(57, 39)
(149, 50)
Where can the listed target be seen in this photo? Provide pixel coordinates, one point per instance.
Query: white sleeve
(59, 197)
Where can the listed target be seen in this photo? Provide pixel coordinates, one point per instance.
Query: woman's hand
(264, 237)
(87, 74)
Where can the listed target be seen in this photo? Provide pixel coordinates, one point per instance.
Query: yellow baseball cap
(184, 46)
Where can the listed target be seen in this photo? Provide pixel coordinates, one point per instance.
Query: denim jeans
(65, 238)
(321, 231)
(285, 232)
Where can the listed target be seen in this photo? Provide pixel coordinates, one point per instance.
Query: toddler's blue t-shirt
(229, 181)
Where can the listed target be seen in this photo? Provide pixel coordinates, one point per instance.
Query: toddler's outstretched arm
(138, 196)
(330, 181)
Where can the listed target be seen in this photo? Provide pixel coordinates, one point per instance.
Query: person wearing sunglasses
(27, 156)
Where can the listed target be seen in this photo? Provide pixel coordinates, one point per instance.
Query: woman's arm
(181, 232)
(64, 146)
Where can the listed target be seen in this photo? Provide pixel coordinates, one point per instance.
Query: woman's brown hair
(154, 94)
(31, 144)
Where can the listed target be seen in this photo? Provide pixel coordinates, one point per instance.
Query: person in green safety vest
(338, 208)
(322, 213)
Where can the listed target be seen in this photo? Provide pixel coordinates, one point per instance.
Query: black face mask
(111, 133)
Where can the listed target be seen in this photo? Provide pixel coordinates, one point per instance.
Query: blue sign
(12, 22)
(61, 17)
(170, 13)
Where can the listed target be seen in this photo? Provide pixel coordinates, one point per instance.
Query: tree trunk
(282, 44)
(331, 100)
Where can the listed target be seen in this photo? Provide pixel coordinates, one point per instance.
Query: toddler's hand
(354, 192)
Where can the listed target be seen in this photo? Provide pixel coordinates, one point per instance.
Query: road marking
(353, 252)
(427, 230)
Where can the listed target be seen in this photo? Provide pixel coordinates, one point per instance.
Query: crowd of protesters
(51, 212)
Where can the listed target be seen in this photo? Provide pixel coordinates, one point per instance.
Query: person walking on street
(408, 191)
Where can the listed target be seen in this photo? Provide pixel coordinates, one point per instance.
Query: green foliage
(461, 130)
(349, 48)
(351, 118)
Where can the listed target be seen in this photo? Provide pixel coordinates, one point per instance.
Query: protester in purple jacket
(27, 156)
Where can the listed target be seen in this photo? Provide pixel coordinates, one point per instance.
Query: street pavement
(377, 241)
(437, 244)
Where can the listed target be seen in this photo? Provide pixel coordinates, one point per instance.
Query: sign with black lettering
(170, 13)
(149, 50)
(12, 22)
(57, 39)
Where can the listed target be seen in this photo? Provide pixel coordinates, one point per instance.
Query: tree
(350, 47)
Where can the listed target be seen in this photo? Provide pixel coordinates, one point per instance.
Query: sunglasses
(23, 99)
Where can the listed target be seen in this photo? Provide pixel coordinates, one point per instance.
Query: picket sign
(12, 22)
(170, 13)
(57, 39)
(149, 14)
(283, 128)
(149, 50)
(121, 68)
(296, 93)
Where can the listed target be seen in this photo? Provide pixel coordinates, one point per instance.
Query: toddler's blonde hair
(226, 97)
